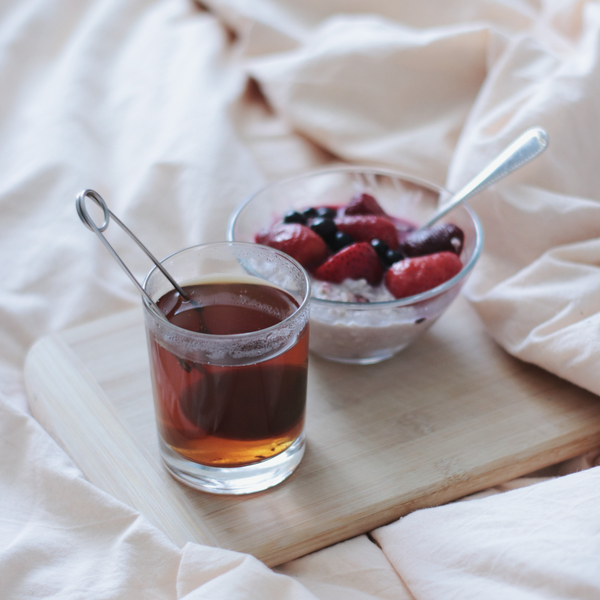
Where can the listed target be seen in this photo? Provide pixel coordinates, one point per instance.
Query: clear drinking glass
(229, 367)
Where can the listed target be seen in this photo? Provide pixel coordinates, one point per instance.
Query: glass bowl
(356, 332)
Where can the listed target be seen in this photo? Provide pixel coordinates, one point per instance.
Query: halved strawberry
(364, 228)
(298, 241)
(416, 275)
(364, 204)
(357, 261)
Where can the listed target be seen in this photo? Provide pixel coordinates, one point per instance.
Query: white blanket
(174, 114)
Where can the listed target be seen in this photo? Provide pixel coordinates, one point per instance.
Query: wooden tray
(451, 415)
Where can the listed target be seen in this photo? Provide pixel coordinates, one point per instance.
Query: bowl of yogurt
(365, 310)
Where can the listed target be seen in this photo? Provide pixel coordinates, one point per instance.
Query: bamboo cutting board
(451, 415)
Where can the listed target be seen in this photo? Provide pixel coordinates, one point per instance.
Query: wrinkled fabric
(175, 114)
(450, 551)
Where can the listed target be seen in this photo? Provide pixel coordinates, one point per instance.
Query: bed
(175, 111)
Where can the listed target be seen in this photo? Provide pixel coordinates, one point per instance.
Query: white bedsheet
(151, 104)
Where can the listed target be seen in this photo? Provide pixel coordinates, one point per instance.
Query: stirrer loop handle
(89, 223)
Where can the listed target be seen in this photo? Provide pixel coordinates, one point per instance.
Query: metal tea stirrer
(89, 223)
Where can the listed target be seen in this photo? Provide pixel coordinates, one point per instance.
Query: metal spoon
(525, 148)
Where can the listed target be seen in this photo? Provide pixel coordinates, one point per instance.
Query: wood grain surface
(451, 415)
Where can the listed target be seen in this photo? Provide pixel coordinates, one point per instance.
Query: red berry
(357, 261)
(364, 228)
(439, 238)
(364, 204)
(416, 275)
(298, 241)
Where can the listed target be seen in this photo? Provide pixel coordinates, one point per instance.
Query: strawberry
(364, 204)
(298, 241)
(357, 261)
(364, 228)
(416, 275)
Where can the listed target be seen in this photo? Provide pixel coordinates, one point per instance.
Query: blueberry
(326, 212)
(392, 256)
(380, 247)
(340, 240)
(388, 257)
(294, 217)
(310, 212)
(326, 228)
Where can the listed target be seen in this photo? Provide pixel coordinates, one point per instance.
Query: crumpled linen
(452, 551)
(150, 103)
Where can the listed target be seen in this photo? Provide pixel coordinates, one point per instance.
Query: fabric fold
(377, 92)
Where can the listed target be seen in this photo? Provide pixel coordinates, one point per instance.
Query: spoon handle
(525, 148)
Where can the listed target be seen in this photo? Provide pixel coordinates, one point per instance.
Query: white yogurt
(364, 333)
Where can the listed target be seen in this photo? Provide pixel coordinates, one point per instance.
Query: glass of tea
(229, 365)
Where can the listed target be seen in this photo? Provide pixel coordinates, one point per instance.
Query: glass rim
(369, 170)
(233, 336)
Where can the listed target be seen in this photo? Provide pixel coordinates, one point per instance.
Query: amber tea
(230, 415)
